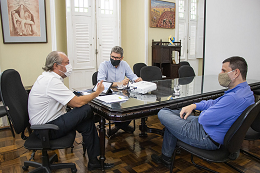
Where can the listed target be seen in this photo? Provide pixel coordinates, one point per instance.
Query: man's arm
(82, 100)
(123, 82)
(102, 75)
(129, 73)
(202, 105)
(138, 79)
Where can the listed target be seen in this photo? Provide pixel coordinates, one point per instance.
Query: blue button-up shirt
(218, 115)
(109, 73)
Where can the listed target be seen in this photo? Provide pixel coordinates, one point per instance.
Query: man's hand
(138, 79)
(125, 81)
(100, 87)
(186, 111)
(82, 100)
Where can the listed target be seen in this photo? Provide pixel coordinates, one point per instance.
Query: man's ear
(238, 72)
(122, 58)
(55, 65)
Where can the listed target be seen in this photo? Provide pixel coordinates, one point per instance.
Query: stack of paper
(112, 98)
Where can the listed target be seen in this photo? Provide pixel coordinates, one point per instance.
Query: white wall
(232, 28)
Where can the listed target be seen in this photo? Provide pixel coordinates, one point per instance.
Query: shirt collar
(241, 85)
(53, 74)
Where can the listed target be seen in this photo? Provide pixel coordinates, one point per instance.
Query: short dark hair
(237, 62)
(118, 49)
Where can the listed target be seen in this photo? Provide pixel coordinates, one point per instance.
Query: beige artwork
(24, 18)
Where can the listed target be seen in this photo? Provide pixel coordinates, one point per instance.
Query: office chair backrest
(186, 71)
(256, 123)
(185, 80)
(237, 132)
(151, 73)
(15, 99)
(94, 78)
(137, 68)
(184, 63)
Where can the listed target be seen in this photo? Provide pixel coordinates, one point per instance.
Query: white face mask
(68, 68)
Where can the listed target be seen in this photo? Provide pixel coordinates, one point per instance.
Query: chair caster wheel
(25, 168)
(74, 170)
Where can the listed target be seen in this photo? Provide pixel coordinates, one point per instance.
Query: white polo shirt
(48, 98)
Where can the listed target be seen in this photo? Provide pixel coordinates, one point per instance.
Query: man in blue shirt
(207, 131)
(115, 71)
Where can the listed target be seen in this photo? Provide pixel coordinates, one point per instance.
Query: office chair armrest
(44, 127)
(43, 130)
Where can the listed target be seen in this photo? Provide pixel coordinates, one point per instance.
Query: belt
(214, 142)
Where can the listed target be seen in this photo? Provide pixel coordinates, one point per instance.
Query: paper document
(85, 93)
(112, 98)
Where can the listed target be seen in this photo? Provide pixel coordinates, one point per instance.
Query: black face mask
(114, 62)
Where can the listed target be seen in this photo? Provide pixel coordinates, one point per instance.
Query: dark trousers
(80, 119)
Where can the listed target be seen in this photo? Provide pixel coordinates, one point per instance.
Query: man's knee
(86, 110)
(164, 114)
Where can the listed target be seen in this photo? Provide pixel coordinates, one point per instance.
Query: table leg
(102, 142)
(143, 128)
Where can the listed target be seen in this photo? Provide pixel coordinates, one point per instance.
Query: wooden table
(192, 89)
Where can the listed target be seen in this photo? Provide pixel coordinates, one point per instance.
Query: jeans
(80, 119)
(188, 131)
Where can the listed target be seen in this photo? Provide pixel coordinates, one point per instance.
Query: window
(81, 6)
(193, 10)
(181, 9)
(106, 7)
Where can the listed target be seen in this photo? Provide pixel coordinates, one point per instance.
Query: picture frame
(23, 21)
(162, 14)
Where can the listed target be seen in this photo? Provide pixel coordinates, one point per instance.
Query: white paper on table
(85, 93)
(112, 98)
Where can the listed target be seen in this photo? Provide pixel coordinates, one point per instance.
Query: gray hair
(118, 49)
(51, 59)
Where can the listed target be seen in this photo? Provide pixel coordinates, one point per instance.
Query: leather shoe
(94, 166)
(159, 160)
(129, 129)
(112, 132)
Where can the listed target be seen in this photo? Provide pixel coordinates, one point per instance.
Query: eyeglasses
(117, 58)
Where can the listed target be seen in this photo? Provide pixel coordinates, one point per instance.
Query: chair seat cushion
(219, 155)
(34, 143)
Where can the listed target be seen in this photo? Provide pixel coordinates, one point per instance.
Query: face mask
(69, 70)
(223, 79)
(114, 62)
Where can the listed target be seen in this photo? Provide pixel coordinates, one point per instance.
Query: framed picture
(23, 21)
(162, 14)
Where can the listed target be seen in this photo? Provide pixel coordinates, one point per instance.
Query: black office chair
(94, 78)
(3, 114)
(151, 73)
(15, 100)
(184, 63)
(137, 68)
(232, 141)
(186, 71)
(257, 93)
(253, 133)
